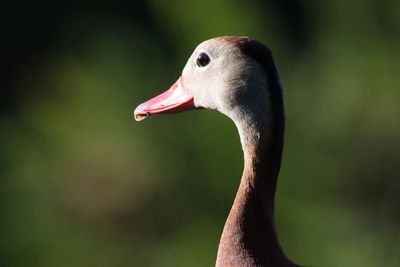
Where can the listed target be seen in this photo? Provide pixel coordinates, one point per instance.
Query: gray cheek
(204, 99)
(210, 92)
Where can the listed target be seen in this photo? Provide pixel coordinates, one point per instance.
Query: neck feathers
(249, 237)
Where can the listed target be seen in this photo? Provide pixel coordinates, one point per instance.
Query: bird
(237, 76)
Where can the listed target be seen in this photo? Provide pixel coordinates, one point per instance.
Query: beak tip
(139, 113)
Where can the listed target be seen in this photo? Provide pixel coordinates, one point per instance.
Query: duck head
(219, 75)
(233, 75)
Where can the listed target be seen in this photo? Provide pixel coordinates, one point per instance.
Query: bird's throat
(249, 237)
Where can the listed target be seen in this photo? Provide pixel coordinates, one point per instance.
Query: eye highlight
(203, 59)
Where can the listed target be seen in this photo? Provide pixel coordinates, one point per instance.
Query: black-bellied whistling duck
(237, 76)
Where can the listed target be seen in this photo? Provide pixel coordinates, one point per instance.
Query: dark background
(83, 184)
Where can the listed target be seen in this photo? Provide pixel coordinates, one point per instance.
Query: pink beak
(175, 99)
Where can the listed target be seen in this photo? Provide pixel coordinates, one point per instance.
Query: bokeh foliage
(83, 184)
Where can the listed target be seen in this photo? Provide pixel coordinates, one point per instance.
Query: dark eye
(202, 59)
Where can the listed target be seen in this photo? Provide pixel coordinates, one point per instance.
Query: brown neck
(249, 237)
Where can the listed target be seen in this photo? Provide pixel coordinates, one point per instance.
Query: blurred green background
(83, 184)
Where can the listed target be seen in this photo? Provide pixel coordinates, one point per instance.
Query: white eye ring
(203, 59)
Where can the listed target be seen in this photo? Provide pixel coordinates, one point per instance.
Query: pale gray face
(227, 74)
(230, 83)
